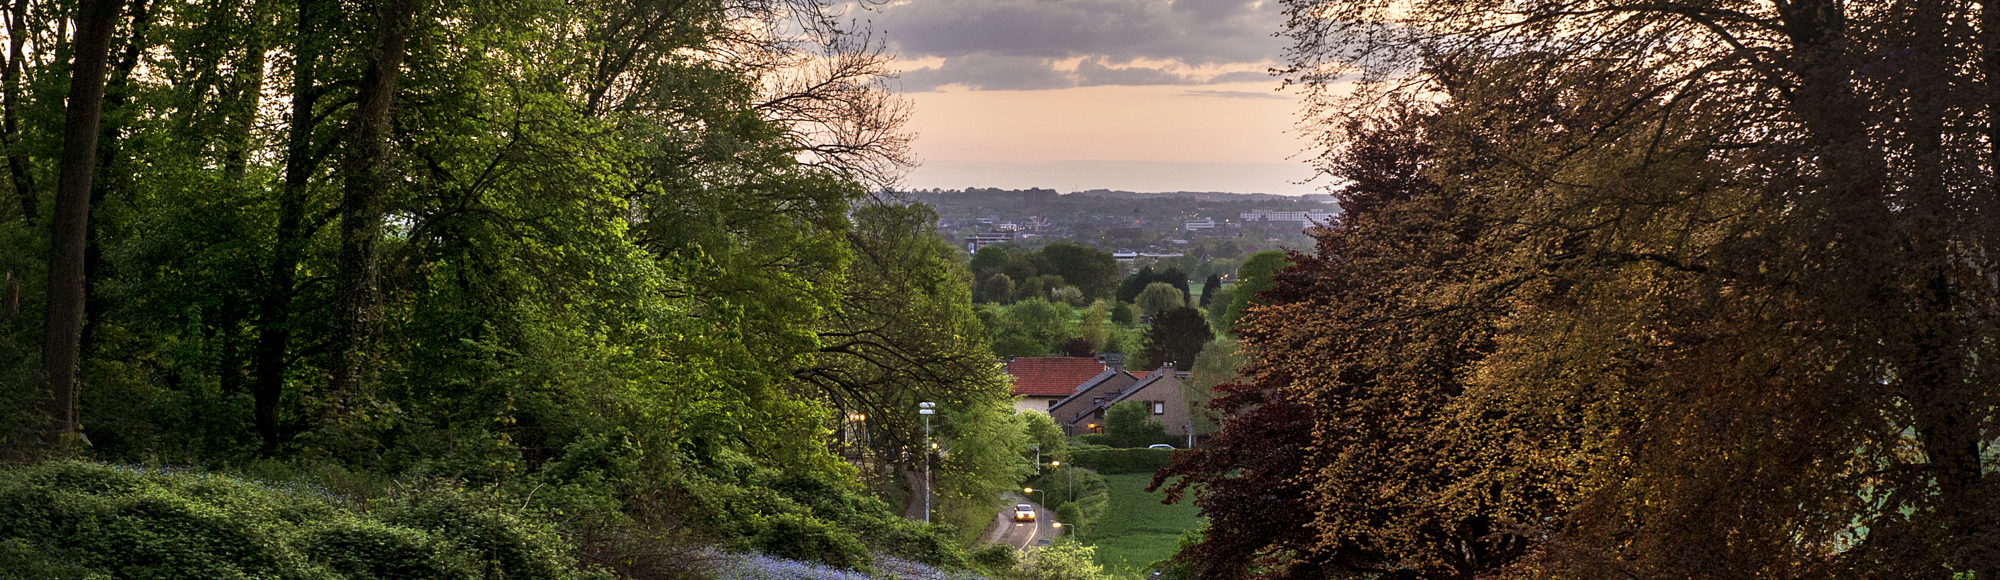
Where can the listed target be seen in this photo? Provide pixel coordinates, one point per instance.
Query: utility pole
(926, 409)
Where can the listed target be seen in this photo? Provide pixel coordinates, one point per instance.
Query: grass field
(1136, 529)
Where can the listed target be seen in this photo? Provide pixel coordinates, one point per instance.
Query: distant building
(1036, 199)
(1124, 256)
(982, 240)
(1311, 215)
(1160, 392)
(1204, 224)
(1042, 381)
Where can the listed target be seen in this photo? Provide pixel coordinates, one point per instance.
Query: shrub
(1117, 461)
(72, 519)
(1067, 560)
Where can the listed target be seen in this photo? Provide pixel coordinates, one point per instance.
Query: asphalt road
(1024, 535)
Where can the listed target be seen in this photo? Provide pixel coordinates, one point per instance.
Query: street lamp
(926, 409)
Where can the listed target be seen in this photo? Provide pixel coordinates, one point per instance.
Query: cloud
(1094, 73)
(991, 44)
(988, 72)
(1238, 94)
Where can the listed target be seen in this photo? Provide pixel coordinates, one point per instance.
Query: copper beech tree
(1659, 290)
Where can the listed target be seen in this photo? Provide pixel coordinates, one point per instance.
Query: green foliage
(1130, 424)
(985, 455)
(1119, 461)
(1078, 495)
(1252, 277)
(1130, 288)
(1176, 337)
(1042, 431)
(82, 519)
(1121, 314)
(996, 289)
(1065, 560)
(996, 559)
(1217, 364)
(1037, 273)
(1093, 272)
(1033, 327)
(1159, 296)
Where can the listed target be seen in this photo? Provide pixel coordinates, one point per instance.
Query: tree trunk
(70, 229)
(367, 176)
(111, 176)
(274, 309)
(10, 97)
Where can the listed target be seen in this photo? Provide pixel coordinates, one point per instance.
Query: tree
(1033, 327)
(1351, 392)
(1129, 289)
(1130, 424)
(997, 289)
(1667, 263)
(1092, 271)
(1253, 277)
(1216, 365)
(1209, 288)
(904, 330)
(69, 228)
(1159, 296)
(368, 176)
(1176, 337)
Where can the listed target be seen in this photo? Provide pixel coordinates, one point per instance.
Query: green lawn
(1136, 529)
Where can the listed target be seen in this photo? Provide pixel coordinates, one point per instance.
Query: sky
(1135, 95)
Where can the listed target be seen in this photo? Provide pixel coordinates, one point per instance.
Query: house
(1042, 381)
(1160, 391)
(1072, 411)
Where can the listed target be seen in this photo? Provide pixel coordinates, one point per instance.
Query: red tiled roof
(1051, 376)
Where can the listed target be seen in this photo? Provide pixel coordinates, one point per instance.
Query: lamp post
(926, 409)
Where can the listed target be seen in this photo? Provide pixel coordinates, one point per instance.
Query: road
(1023, 535)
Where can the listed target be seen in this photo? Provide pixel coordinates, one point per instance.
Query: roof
(1051, 376)
(1088, 386)
(1127, 391)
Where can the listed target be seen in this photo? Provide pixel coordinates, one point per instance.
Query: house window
(1159, 407)
(1052, 403)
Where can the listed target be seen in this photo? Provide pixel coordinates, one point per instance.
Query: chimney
(1114, 360)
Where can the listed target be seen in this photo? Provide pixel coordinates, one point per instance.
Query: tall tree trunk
(274, 309)
(245, 92)
(69, 231)
(367, 176)
(10, 98)
(110, 174)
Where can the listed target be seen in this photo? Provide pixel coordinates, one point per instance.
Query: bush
(995, 558)
(1066, 560)
(73, 519)
(1117, 461)
(1092, 496)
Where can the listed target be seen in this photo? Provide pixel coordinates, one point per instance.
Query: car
(1024, 512)
(1159, 446)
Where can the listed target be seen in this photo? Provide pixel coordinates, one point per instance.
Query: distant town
(1188, 230)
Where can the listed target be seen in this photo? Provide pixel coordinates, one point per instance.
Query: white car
(1159, 446)
(1024, 512)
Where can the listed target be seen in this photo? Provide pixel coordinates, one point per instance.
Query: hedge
(1116, 461)
(87, 520)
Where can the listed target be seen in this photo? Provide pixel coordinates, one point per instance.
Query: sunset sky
(1138, 95)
